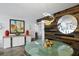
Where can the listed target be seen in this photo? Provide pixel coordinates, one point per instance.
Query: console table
(12, 41)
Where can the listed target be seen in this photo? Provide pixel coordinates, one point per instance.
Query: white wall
(5, 25)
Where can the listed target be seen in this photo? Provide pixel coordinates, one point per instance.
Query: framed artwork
(17, 26)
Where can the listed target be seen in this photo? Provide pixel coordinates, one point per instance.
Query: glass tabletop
(35, 48)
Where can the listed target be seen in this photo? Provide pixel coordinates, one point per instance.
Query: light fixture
(46, 14)
(47, 22)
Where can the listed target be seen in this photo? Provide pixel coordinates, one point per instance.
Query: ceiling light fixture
(47, 22)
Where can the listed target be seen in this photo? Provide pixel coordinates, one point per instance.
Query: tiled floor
(16, 51)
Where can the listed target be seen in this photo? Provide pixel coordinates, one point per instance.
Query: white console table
(12, 41)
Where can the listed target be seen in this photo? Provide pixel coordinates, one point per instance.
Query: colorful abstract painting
(17, 26)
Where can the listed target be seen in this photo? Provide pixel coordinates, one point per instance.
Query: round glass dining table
(35, 48)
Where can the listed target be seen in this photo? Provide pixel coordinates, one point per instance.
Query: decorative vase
(27, 33)
(6, 33)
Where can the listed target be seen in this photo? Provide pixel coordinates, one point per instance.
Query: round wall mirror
(67, 24)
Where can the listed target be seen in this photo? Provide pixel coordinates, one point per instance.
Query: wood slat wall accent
(72, 11)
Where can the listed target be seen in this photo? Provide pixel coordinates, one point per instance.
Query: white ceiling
(32, 10)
